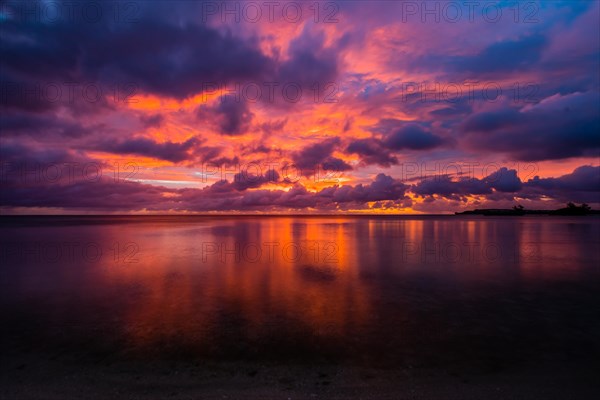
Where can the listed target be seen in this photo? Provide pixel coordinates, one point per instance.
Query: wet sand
(30, 377)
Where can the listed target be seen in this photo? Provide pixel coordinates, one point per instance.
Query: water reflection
(360, 288)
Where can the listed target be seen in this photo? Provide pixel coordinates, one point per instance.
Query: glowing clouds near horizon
(346, 107)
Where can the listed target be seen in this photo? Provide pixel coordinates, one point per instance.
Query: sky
(298, 107)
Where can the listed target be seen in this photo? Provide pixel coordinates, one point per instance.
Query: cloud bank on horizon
(229, 106)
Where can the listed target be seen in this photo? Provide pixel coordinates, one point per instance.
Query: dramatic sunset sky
(367, 107)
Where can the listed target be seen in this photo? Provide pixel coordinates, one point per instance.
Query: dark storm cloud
(34, 175)
(372, 152)
(506, 56)
(165, 56)
(234, 116)
(298, 197)
(319, 155)
(335, 164)
(398, 135)
(585, 178)
(392, 136)
(19, 94)
(497, 59)
(503, 180)
(170, 52)
(558, 127)
(309, 62)
(169, 151)
(102, 195)
(446, 187)
(245, 180)
(412, 137)
(230, 116)
(106, 194)
(42, 125)
(12, 152)
(582, 185)
(384, 187)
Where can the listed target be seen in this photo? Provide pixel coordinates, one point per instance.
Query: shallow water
(488, 293)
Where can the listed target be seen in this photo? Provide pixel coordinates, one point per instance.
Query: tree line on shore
(570, 209)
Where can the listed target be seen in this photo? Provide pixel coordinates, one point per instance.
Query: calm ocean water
(489, 292)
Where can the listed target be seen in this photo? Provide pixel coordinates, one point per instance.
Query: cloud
(230, 116)
(503, 180)
(585, 178)
(98, 195)
(26, 185)
(160, 55)
(384, 187)
(372, 151)
(43, 126)
(412, 137)
(169, 151)
(153, 120)
(309, 61)
(391, 136)
(582, 185)
(298, 197)
(503, 56)
(240, 195)
(446, 187)
(558, 127)
(170, 54)
(319, 155)
(234, 116)
(245, 180)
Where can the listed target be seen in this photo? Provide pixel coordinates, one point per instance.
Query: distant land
(570, 209)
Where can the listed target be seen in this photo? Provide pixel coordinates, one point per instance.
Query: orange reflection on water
(250, 278)
(194, 282)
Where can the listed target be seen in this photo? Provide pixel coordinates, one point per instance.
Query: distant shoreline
(476, 212)
(570, 210)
